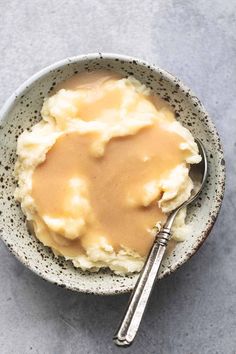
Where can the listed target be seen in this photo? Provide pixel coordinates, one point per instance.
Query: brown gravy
(110, 178)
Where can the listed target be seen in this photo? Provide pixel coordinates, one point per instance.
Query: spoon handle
(141, 293)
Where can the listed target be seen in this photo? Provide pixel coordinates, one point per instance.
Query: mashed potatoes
(107, 163)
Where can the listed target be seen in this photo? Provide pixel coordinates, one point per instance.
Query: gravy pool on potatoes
(115, 181)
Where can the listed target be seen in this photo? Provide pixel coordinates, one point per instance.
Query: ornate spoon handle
(141, 293)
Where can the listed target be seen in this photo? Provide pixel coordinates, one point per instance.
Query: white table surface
(194, 310)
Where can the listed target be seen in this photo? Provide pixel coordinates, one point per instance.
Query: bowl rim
(171, 78)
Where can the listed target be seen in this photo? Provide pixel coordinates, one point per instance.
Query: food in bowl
(101, 171)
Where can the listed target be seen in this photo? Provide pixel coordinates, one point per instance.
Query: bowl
(22, 110)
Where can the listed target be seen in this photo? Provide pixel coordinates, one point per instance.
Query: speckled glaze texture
(22, 110)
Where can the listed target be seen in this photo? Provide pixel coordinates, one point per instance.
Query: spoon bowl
(198, 174)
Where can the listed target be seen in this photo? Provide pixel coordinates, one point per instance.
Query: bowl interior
(22, 111)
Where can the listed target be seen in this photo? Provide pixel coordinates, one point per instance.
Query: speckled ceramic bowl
(22, 110)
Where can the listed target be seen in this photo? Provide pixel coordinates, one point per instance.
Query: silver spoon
(142, 290)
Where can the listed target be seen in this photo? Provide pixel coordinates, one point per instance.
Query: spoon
(138, 300)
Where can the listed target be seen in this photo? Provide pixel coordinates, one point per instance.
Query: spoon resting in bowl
(138, 301)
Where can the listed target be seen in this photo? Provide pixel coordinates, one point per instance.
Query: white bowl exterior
(22, 110)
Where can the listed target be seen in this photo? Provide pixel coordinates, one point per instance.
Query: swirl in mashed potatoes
(107, 163)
